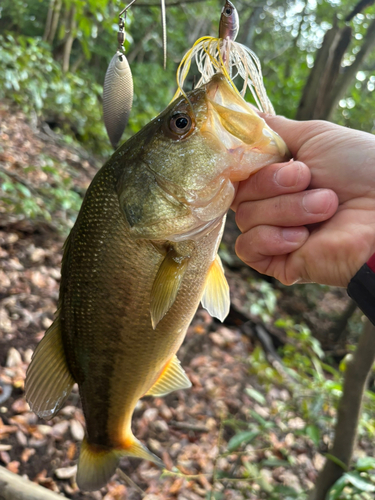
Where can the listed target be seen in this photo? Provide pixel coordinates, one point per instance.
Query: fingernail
(316, 202)
(288, 175)
(293, 235)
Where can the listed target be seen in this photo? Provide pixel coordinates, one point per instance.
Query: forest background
(272, 437)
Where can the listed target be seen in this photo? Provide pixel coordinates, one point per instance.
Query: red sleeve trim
(371, 263)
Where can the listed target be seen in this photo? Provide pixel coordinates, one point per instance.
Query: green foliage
(54, 201)
(312, 390)
(33, 80)
(358, 484)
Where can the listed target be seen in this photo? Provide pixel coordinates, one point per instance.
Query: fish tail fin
(96, 464)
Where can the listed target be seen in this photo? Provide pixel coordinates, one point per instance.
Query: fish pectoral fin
(48, 379)
(166, 285)
(216, 298)
(172, 378)
(97, 464)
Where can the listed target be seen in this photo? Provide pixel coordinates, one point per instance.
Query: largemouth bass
(140, 258)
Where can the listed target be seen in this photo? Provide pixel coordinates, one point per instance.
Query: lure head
(229, 21)
(182, 168)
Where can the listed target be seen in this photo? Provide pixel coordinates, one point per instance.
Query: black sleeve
(362, 290)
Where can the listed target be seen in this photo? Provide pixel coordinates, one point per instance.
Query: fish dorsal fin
(216, 297)
(171, 379)
(48, 379)
(166, 285)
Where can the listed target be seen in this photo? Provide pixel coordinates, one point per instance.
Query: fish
(229, 22)
(141, 256)
(117, 97)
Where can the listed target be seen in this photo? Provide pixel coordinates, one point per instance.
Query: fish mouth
(234, 125)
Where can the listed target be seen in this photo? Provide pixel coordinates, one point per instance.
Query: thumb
(295, 133)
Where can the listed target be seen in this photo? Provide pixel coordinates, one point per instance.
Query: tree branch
(362, 4)
(14, 487)
(349, 411)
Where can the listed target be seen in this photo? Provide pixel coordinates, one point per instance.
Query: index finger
(273, 180)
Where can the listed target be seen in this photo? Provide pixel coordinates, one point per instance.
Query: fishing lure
(118, 88)
(225, 55)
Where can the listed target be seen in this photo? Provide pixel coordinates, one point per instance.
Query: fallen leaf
(26, 454)
(5, 457)
(14, 358)
(20, 406)
(13, 466)
(76, 430)
(66, 472)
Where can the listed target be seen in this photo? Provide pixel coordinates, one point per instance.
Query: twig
(189, 427)
(348, 414)
(172, 4)
(214, 472)
(130, 481)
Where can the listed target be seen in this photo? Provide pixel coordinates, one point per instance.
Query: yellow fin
(166, 285)
(172, 378)
(97, 464)
(48, 379)
(216, 297)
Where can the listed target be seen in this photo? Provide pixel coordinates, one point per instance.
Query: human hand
(324, 234)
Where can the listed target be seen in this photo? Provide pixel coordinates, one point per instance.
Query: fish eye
(228, 11)
(180, 123)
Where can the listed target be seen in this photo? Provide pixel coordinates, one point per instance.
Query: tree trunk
(14, 487)
(47, 27)
(328, 81)
(69, 39)
(349, 73)
(55, 16)
(249, 26)
(349, 411)
(312, 91)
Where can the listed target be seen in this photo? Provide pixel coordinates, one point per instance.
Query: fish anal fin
(171, 379)
(166, 285)
(48, 379)
(97, 464)
(216, 298)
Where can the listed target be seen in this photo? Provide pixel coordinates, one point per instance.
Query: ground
(190, 429)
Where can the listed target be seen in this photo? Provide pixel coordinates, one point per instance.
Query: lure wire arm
(121, 27)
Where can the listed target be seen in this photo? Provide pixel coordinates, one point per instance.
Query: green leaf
(365, 463)
(287, 490)
(337, 488)
(241, 438)
(336, 461)
(314, 433)
(24, 190)
(256, 395)
(359, 482)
